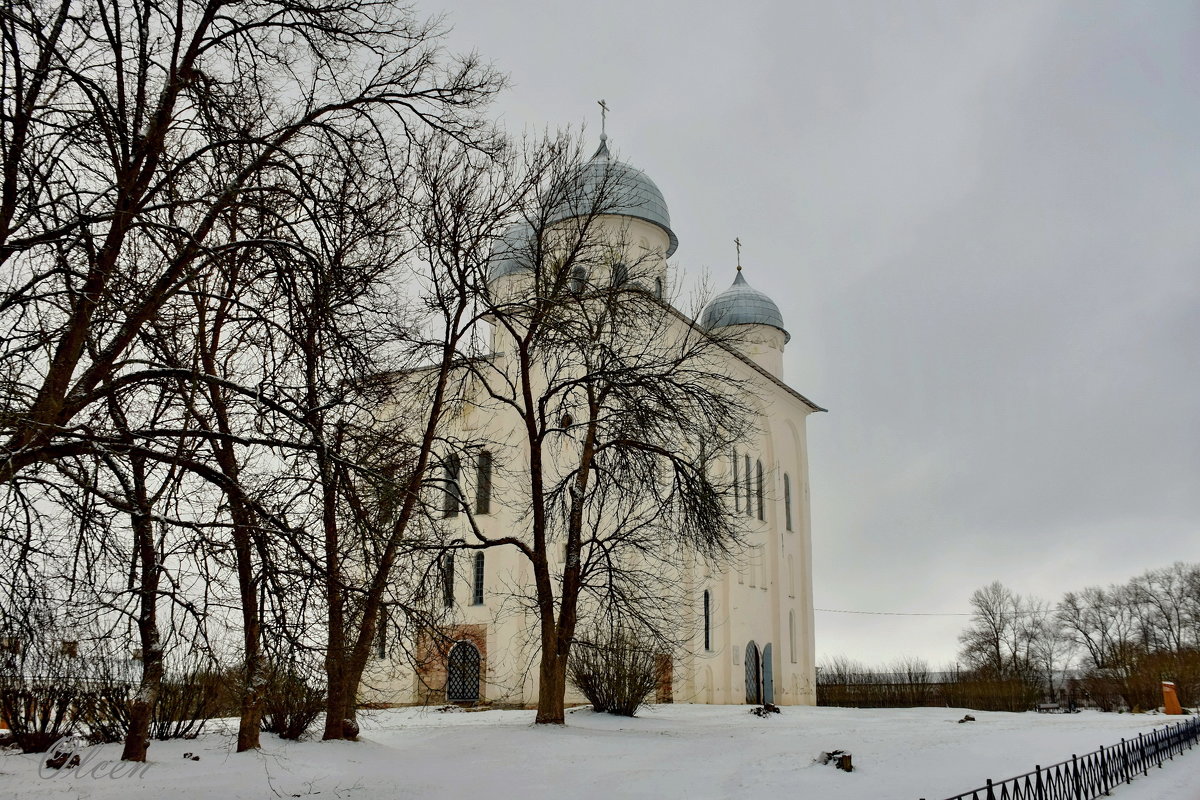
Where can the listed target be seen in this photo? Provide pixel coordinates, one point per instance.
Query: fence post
(1125, 761)
(1075, 777)
(1104, 771)
(1142, 754)
(990, 794)
(1039, 790)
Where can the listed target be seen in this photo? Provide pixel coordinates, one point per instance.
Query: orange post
(1170, 699)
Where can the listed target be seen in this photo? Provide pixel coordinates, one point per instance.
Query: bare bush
(186, 702)
(615, 671)
(290, 704)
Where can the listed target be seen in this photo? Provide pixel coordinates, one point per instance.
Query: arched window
(578, 279)
(758, 474)
(453, 494)
(658, 288)
(792, 633)
(707, 620)
(448, 579)
(791, 578)
(483, 483)
(477, 588)
(462, 673)
(787, 501)
(620, 274)
(749, 509)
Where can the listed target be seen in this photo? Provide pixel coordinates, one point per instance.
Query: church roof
(742, 304)
(609, 186)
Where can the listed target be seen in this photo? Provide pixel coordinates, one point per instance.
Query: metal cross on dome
(603, 119)
(738, 242)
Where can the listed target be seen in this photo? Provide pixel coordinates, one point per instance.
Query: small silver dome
(510, 253)
(632, 193)
(742, 304)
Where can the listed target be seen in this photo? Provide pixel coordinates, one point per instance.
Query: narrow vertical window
(477, 589)
(758, 475)
(787, 501)
(483, 483)
(620, 274)
(453, 494)
(707, 620)
(791, 577)
(381, 634)
(746, 477)
(737, 484)
(792, 633)
(448, 579)
(578, 280)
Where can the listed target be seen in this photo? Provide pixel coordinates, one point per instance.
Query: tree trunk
(340, 699)
(253, 673)
(141, 708)
(552, 688)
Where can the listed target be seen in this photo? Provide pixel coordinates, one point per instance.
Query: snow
(668, 751)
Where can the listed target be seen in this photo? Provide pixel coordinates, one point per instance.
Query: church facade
(746, 625)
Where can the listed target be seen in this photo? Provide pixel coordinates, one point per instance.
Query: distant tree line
(1106, 647)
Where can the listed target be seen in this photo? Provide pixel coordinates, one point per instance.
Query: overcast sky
(981, 223)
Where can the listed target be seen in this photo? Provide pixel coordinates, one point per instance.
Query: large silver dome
(741, 304)
(631, 193)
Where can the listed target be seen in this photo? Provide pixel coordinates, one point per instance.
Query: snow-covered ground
(679, 751)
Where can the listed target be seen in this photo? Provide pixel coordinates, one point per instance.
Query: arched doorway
(462, 673)
(753, 674)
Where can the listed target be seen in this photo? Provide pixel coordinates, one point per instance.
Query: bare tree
(150, 152)
(1009, 636)
(618, 402)
(1137, 634)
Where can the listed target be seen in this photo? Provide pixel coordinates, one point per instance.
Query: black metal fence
(1089, 776)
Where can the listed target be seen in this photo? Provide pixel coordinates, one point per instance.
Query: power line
(897, 613)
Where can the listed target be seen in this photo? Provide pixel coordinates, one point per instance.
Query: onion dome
(741, 304)
(628, 192)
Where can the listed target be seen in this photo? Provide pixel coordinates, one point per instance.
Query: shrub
(290, 704)
(615, 671)
(186, 702)
(104, 711)
(38, 713)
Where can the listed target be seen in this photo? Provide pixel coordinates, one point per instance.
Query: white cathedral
(750, 624)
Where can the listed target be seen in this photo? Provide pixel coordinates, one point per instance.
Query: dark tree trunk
(552, 688)
(253, 673)
(141, 708)
(339, 702)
